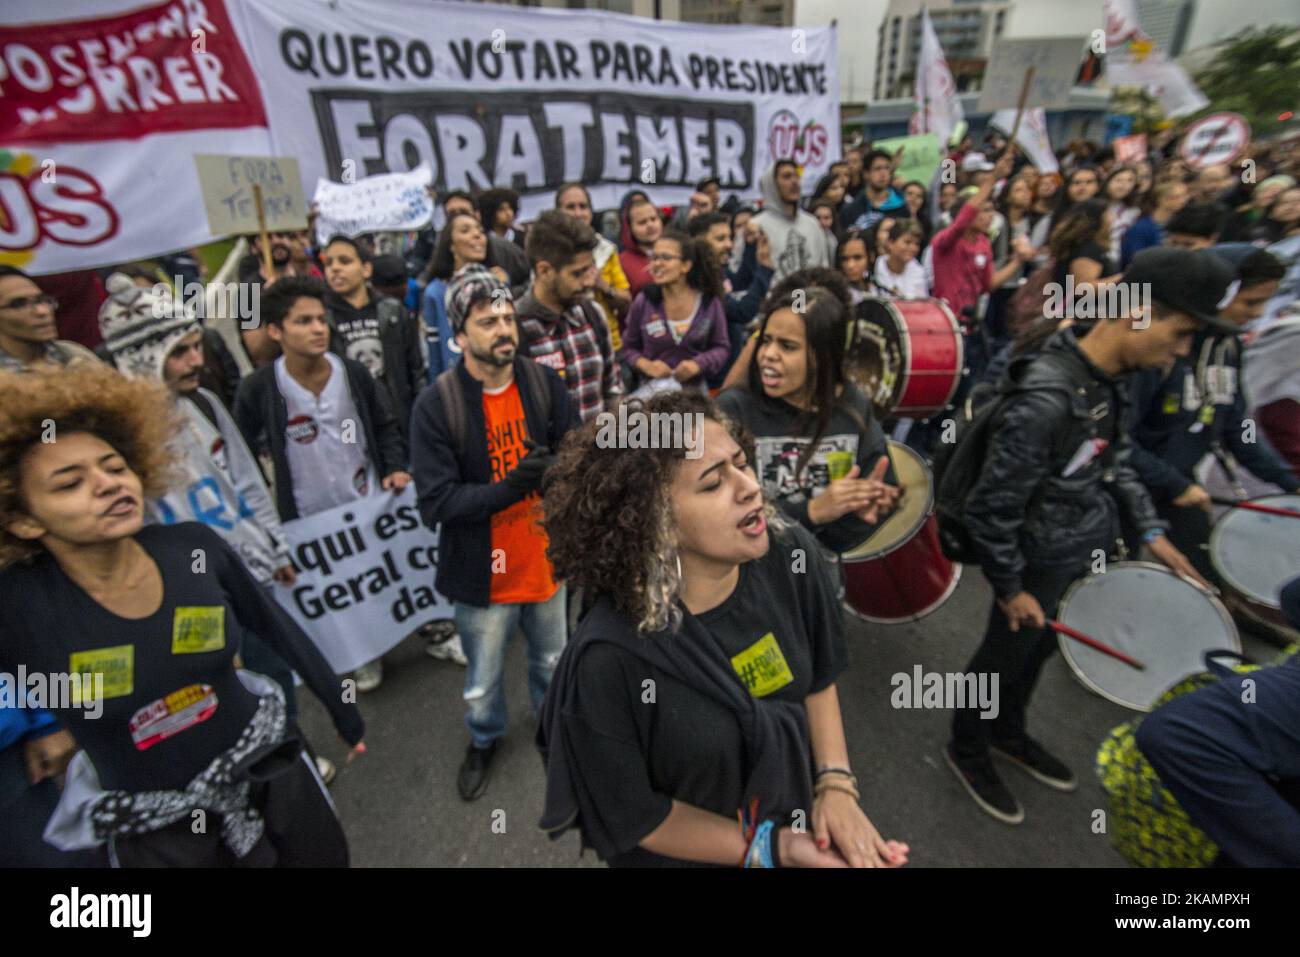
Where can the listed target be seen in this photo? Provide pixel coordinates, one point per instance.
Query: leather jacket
(1046, 496)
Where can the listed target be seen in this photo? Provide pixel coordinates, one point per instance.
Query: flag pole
(1020, 108)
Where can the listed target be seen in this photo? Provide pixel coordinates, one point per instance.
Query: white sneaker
(369, 676)
(325, 768)
(448, 649)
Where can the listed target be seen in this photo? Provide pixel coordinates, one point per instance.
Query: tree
(1255, 73)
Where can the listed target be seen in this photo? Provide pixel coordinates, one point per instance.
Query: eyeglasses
(664, 258)
(30, 302)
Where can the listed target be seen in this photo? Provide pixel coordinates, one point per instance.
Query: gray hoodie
(797, 241)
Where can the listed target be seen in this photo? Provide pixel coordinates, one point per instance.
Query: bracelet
(1151, 534)
(844, 771)
(836, 785)
(759, 853)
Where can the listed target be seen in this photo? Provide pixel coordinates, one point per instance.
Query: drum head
(876, 360)
(1256, 554)
(913, 475)
(1149, 613)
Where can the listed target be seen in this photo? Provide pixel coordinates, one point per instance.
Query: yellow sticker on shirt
(762, 667)
(116, 664)
(1171, 404)
(197, 629)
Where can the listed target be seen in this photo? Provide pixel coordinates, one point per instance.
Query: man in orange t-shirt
(482, 439)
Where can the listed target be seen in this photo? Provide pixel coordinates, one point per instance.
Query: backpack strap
(536, 394)
(454, 407)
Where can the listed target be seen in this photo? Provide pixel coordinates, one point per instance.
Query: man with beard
(482, 439)
(286, 258)
(559, 325)
(374, 330)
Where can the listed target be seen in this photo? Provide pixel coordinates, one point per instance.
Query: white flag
(1031, 137)
(1122, 22)
(1161, 77)
(938, 108)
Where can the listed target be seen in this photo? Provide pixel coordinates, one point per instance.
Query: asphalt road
(400, 807)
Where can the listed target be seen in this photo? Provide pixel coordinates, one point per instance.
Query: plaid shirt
(575, 348)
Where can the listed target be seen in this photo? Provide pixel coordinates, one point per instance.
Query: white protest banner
(103, 104)
(1031, 137)
(1055, 61)
(227, 182)
(365, 577)
(1140, 64)
(398, 202)
(530, 98)
(1214, 139)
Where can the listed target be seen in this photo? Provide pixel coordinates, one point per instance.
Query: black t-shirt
(171, 698)
(1089, 250)
(359, 331)
(648, 744)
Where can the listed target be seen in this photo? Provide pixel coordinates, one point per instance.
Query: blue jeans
(485, 634)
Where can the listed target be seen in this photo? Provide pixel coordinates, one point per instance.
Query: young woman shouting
(697, 608)
(175, 735)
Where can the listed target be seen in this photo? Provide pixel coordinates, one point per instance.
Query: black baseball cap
(388, 270)
(1196, 282)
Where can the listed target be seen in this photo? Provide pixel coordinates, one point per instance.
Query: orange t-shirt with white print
(521, 572)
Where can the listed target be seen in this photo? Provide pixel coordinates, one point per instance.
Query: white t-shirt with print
(326, 470)
(910, 285)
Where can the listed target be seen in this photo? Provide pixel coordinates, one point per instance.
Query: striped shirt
(577, 347)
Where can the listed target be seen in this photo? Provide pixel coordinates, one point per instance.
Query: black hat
(1196, 282)
(388, 270)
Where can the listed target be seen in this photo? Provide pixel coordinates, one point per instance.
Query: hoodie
(634, 260)
(797, 239)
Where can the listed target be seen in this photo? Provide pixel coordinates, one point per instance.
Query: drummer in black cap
(1196, 407)
(1054, 482)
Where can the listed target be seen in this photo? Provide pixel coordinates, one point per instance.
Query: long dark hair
(704, 275)
(827, 316)
(1079, 226)
(442, 264)
(1063, 201)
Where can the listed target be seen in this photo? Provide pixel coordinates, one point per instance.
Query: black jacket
(403, 344)
(1023, 510)
(1167, 408)
(456, 490)
(261, 414)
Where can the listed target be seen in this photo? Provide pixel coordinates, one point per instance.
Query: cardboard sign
(1130, 149)
(1055, 61)
(1214, 139)
(227, 186)
(922, 155)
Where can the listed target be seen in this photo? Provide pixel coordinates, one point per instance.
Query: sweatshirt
(797, 240)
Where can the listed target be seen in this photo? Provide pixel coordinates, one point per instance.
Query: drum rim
(1065, 643)
(912, 532)
(1216, 536)
(932, 607)
(906, 338)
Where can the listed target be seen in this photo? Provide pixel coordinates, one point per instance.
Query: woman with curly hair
(151, 616)
(699, 605)
(821, 455)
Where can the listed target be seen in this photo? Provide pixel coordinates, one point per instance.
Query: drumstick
(1266, 509)
(1094, 643)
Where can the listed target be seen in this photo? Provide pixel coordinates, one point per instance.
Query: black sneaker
(474, 771)
(986, 788)
(1033, 758)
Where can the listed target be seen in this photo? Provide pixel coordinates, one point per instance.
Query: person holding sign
(330, 431)
(711, 605)
(174, 735)
(482, 440)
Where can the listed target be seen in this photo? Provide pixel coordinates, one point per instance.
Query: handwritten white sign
(1055, 61)
(398, 202)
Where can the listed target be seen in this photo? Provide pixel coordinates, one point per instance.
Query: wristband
(1151, 534)
(844, 771)
(759, 853)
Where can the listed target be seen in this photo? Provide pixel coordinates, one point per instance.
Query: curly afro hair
(135, 416)
(609, 516)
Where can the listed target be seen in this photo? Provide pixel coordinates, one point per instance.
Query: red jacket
(635, 262)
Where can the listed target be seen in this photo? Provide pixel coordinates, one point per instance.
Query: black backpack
(957, 466)
(535, 394)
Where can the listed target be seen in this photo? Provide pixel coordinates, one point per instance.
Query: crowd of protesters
(477, 358)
